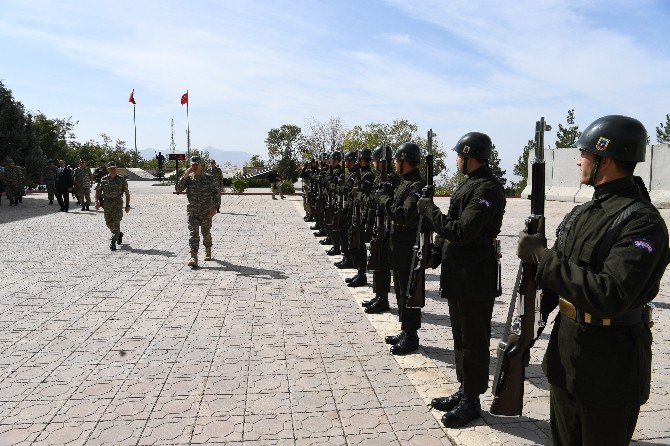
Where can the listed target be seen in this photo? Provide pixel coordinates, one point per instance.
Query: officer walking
(217, 173)
(401, 208)
(82, 185)
(204, 197)
(50, 180)
(112, 188)
(64, 183)
(606, 265)
(465, 244)
(13, 183)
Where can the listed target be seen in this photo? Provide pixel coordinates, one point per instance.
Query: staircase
(137, 174)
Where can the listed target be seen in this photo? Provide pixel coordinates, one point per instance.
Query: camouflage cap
(111, 164)
(195, 160)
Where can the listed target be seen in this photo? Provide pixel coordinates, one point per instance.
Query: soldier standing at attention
(606, 265)
(82, 185)
(50, 180)
(465, 244)
(217, 173)
(401, 208)
(204, 197)
(112, 188)
(100, 171)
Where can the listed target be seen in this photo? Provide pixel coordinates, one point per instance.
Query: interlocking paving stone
(265, 345)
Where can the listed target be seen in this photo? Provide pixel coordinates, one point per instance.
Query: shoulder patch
(484, 202)
(643, 244)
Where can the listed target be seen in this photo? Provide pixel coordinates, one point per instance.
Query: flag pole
(137, 155)
(188, 129)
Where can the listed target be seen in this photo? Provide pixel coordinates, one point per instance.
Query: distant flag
(132, 97)
(184, 98)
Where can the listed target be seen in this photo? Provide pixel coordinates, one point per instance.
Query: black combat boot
(334, 251)
(361, 279)
(119, 239)
(345, 263)
(11, 202)
(408, 344)
(326, 241)
(51, 202)
(350, 279)
(447, 403)
(112, 245)
(314, 227)
(393, 340)
(83, 208)
(467, 410)
(367, 303)
(381, 305)
(320, 233)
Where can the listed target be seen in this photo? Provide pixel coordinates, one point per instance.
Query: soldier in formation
(605, 267)
(466, 247)
(305, 175)
(82, 185)
(204, 197)
(109, 194)
(13, 182)
(50, 180)
(217, 173)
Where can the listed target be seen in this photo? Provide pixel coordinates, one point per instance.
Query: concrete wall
(562, 176)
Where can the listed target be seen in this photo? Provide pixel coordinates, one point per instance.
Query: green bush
(239, 184)
(258, 182)
(287, 187)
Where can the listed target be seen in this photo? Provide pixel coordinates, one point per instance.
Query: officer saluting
(606, 264)
(465, 244)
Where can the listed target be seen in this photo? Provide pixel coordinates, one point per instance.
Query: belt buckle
(567, 309)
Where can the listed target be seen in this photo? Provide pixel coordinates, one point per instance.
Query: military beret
(195, 160)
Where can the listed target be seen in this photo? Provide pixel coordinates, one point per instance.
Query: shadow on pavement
(248, 271)
(528, 434)
(30, 208)
(151, 252)
(233, 213)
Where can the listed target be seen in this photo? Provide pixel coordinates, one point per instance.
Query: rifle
(416, 288)
(328, 205)
(377, 244)
(355, 239)
(527, 325)
(340, 208)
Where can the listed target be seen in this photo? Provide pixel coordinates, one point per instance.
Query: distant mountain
(234, 157)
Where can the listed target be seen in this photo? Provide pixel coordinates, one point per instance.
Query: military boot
(326, 241)
(208, 253)
(83, 208)
(359, 280)
(350, 279)
(408, 344)
(467, 410)
(119, 239)
(193, 261)
(51, 202)
(367, 303)
(334, 251)
(314, 227)
(345, 263)
(112, 245)
(447, 403)
(381, 305)
(393, 340)
(320, 233)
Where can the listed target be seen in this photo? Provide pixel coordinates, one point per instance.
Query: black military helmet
(615, 136)
(351, 155)
(409, 152)
(336, 155)
(366, 154)
(377, 154)
(475, 145)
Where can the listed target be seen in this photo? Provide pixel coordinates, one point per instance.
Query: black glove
(388, 188)
(435, 259)
(425, 206)
(531, 248)
(548, 303)
(428, 191)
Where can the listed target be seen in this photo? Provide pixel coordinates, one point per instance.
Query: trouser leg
(113, 216)
(206, 228)
(194, 230)
(50, 192)
(410, 318)
(86, 196)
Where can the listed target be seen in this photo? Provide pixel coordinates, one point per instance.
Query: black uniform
(365, 192)
(600, 374)
(469, 278)
(64, 181)
(404, 216)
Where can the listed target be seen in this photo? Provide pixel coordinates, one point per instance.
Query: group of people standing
(11, 182)
(598, 361)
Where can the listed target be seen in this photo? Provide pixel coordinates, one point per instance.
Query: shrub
(258, 182)
(239, 184)
(287, 187)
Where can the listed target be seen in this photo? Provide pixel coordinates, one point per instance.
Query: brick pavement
(265, 345)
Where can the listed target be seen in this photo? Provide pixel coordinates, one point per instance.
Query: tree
(322, 137)
(568, 135)
(56, 136)
(521, 167)
(494, 163)
(286, 147)
(256, 161)
(663, 131)
(394, 134)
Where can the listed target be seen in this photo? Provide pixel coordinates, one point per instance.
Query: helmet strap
(465, 164)
(594, 170)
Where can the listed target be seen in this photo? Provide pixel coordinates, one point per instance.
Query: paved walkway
(265, 345)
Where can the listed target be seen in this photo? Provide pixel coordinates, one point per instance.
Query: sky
(249, 66)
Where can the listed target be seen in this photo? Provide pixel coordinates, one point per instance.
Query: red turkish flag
(184, 98)
(132, 97)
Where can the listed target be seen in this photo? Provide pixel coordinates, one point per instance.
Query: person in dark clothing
(64, 184)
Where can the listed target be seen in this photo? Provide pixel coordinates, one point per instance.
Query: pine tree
(494, 163)
(663, 131)
(521, 167)
(568, 135)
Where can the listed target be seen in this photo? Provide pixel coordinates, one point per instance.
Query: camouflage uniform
(217, 173)
(13, 184)
(82, 186)
(203, 195)
(50, 180)
(113, 189)
(99, 173)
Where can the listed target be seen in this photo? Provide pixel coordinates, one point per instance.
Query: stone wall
(562, 176)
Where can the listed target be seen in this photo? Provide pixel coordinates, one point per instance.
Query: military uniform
(401, 209)
(217, 173)
(607, 263)
(346, 188)
(13, 184)
(99, 172)
(50, 180)
(203, 195)
(113, 189)
(82, 186)
(362, 195)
